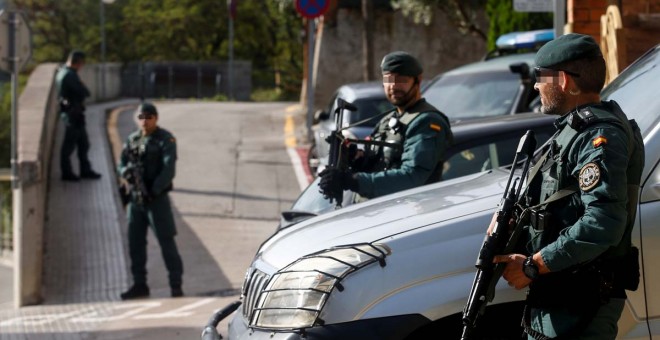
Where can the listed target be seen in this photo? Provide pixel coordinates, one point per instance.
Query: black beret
(148, 108)
(402, 63)
(567, 47)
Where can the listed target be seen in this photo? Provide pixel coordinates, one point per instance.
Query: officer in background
(582, 198)
(415, 133)
(148, 164)
(72, 93)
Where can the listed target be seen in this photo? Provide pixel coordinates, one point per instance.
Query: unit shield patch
(589, 176)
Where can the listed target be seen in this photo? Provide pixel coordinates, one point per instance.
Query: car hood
(384, 217)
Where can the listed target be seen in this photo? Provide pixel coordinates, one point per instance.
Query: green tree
(503, 19)
(462, 13)
(266, 33)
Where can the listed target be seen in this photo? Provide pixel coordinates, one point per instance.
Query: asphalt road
(236, 172)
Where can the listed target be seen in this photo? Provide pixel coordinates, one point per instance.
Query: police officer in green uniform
(582, 200)
(148, 164)
(72, 93)
(413, 139)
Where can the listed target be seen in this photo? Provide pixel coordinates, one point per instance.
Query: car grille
(255, 283)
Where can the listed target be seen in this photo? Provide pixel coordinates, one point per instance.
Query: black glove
(334, 182)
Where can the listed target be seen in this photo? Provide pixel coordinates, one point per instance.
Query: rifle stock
(501, 240)
(335, 139)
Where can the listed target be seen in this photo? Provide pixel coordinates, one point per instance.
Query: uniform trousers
(158, 216)
(75, 137)
(558, 321)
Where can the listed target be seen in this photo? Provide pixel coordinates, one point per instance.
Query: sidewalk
(85, 260)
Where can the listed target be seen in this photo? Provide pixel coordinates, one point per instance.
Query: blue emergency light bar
(528, 39)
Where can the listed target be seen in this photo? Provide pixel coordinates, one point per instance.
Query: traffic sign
(23, 41)
(312, 8)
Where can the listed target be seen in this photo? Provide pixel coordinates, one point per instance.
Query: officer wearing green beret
(72, 93)
(581, 200)
(148, 164)
(414, 136)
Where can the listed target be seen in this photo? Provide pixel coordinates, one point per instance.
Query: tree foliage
(265, 32)
(503, 20)
(462, 13)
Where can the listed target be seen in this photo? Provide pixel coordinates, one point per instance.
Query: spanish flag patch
(436, 127)
(598, 141)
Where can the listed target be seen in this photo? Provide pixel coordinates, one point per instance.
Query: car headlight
(295, 295)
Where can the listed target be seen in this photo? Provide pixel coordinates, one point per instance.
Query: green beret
(402, 63)
(148, 108)
(567, 47)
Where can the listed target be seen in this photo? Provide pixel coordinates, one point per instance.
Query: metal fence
(186, 80)
(6, 231)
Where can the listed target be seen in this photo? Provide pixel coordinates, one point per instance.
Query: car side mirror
(522, 69)
(320, 115)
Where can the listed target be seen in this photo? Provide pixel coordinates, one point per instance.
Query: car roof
(468, 129)
(495, 64)
(351, 92)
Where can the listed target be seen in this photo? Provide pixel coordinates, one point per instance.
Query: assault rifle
(501, 240)
(336, 158)
(133, 176)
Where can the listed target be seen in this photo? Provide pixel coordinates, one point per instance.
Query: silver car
(401, 266)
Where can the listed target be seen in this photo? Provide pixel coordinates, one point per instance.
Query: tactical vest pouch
(539, 219)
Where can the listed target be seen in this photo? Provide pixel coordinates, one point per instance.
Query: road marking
(290, 132)
(303, 182)
(177, 313)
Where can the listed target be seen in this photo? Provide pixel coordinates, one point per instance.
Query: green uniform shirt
(158, 157)
(426, 139)
(594, 219)
(70, 87)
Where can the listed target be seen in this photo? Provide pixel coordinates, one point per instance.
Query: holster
(575, 290)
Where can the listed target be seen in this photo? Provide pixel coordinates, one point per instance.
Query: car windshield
(465, 96)
(636, 82)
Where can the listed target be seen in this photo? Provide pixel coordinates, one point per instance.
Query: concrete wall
(439, 47)
(37, 118)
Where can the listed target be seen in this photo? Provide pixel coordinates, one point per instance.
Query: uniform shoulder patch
(436, 127)
(589, 176)
(598, 141)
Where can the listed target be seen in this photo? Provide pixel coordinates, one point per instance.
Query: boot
(70, 177)
(177, 291)
(135, 292)
(90, 174)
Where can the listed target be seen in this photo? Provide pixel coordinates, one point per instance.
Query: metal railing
(6, 232)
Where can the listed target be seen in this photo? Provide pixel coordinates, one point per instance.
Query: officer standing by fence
(582, 199)
(417, 136)
(72, 93)
(148, 163)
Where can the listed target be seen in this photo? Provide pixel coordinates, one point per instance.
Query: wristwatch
(530, 269)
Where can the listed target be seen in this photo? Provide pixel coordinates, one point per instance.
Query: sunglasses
(548, 75)
(145, 116)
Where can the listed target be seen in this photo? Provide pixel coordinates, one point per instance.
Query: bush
(272, 95)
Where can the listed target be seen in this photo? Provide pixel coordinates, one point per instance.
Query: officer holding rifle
(414, 136)
(148, 164)
(576, 256)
